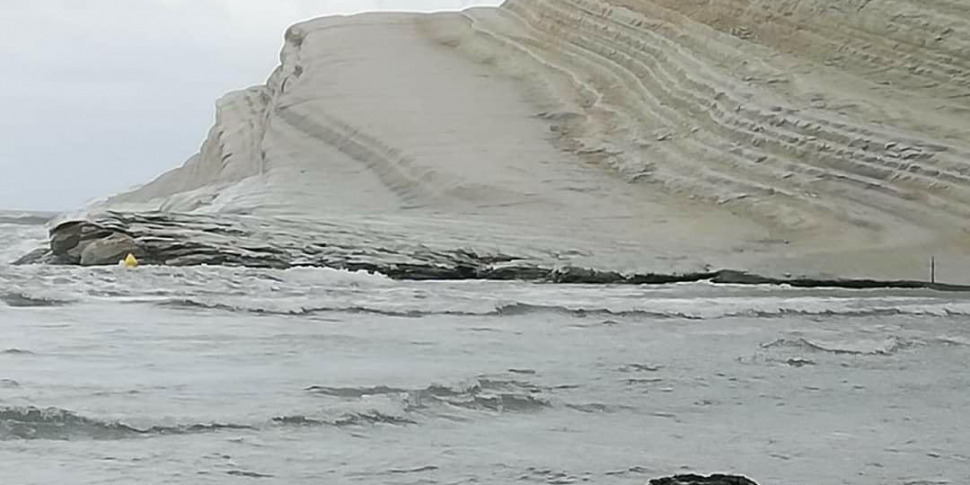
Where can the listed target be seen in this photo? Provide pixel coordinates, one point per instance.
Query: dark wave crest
(511, 309)
(194, 304)
(751, 309)
(16, 352)
(355, 392)
(345, 419)
(31, 423)
(482, 394)
(886, 346)
(21, 300)
(32, 219)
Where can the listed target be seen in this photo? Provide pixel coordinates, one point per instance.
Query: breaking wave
(887, 346)
(669, 308)
(354, 406)
(25, 218)
(276, 308)
(31, 423)
(345, 419)
(482, 394)
(22, 300)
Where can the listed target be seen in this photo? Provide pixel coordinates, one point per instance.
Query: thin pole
(933, 269)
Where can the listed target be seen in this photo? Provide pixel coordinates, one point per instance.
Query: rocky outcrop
(701, 480)
(86, 244)
(109, 250)
(172, 239)
(165, 238)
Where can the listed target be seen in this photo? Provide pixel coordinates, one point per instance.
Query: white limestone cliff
(813, 135)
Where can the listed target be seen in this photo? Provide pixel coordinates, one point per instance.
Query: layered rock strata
(811, 136)
(188, 240)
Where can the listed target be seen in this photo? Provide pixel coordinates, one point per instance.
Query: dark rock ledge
(173, 239)
(699, 480)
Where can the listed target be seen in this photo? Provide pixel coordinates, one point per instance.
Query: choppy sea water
(223, 375)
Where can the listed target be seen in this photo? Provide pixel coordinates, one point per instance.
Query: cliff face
(718, 130)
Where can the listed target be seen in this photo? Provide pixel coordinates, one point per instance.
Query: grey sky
(100, 95)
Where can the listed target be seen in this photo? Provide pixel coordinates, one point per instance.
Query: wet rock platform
(702, 480)
(181, 239)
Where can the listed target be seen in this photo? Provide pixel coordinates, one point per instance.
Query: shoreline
(170, 239)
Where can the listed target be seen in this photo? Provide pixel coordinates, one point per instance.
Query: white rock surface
(818, 136)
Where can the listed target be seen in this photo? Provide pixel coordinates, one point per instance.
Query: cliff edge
(812, 136)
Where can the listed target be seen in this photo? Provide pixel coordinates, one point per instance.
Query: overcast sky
(99, 95)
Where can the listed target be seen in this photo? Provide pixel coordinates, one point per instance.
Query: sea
(217, 375)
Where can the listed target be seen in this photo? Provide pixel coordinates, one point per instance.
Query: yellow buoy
(131, 261)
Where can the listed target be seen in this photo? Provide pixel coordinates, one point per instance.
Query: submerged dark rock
(177, 239)
(701, 480)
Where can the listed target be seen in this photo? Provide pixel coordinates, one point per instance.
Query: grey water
(229, 375)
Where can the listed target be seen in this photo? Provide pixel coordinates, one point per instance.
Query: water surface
(222, 375)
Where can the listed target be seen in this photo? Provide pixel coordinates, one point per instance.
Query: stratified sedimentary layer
(171, 239)
(815, 135)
